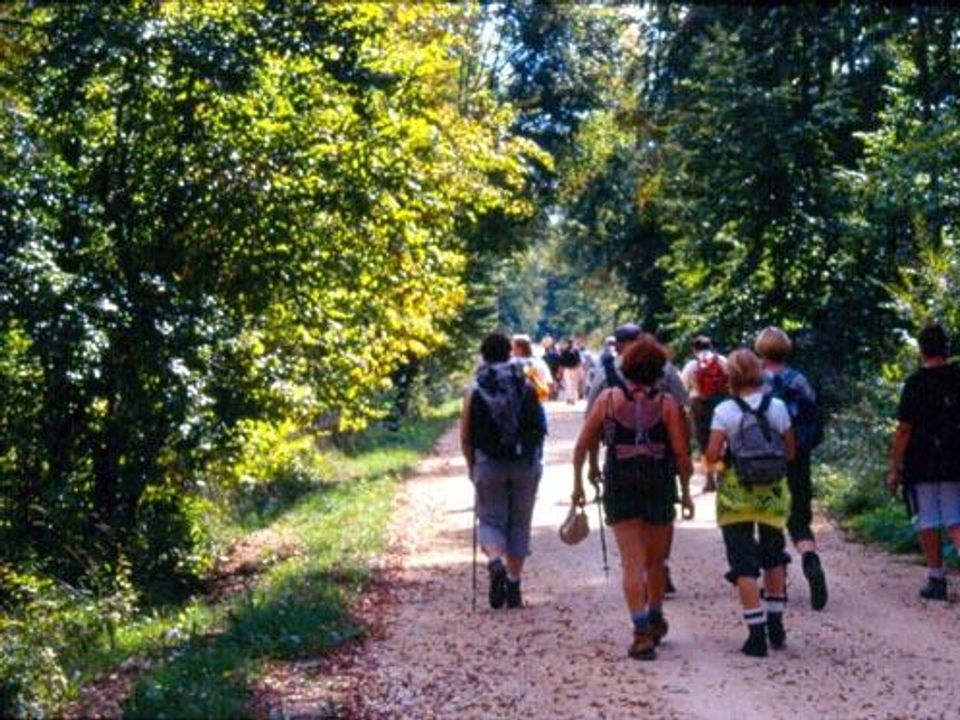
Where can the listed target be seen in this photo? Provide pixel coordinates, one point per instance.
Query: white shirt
(727, 416)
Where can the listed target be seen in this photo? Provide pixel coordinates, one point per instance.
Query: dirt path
(876, 652)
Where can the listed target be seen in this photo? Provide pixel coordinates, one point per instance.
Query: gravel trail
(877, 651)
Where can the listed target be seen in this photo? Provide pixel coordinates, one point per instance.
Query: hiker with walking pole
(642, 428)
(502, 427)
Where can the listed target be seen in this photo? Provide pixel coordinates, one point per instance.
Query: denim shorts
(937, 504)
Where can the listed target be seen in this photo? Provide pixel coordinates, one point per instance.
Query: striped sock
(937, 573)
(776, 604)
(755, 616)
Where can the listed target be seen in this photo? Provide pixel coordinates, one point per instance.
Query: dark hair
(643, 361)
(702, 342)
(933, 341)
(495, 348)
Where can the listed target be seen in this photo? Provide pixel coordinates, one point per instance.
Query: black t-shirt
(931, 404)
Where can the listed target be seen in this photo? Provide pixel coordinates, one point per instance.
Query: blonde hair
(745, 370)
(773, 344)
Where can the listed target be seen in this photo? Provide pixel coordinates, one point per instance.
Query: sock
(641, 620)
(937, 573)
(755, 616)
(656, 612)
(513, 578)
(776, 604)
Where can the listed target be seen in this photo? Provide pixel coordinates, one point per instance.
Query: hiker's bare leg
(930, 544)
(514, 565)
(749, 592)
(633, 561)
(656, 540)
(775, 581)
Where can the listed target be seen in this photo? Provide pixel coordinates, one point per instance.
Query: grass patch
(298, 607)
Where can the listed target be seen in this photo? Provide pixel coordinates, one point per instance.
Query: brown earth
(877, 651)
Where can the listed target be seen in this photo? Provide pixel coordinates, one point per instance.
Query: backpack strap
(760, 413)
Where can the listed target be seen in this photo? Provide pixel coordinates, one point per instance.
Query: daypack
(540, 388)
(712, 379)
(506, 420)
(806, 416)
(636, 438)
(758, 451)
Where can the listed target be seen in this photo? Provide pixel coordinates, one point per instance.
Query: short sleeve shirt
(930, 403)
(727, 416)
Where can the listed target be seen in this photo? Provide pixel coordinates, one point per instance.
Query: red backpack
(711, 377)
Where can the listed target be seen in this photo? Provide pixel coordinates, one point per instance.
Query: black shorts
(626, 497)
(747, 553)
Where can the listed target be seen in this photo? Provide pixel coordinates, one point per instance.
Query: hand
(578, 497)
(893, 481)
(594, 476)
(687, 506)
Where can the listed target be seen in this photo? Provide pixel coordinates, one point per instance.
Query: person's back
(932, 402)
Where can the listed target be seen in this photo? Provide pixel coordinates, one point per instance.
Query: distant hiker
(502, 426)
(536, 369)
(705, 378)
(642, 428)
(753, 502)
(773, 345)
(571, 371)
(926, 452)
(551, 356)
(668, 382)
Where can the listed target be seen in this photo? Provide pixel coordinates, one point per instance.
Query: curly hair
(643, 361)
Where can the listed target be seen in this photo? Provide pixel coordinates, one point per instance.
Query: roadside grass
(298, 606)
(330, 505)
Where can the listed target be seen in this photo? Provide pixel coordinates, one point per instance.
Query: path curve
(878, 651)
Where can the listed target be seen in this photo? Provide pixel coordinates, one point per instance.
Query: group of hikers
(755, 421)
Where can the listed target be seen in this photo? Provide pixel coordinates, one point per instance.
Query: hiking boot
(498, 583)
(775, 631)
(514, 598)
(659, 628)
(669, 588)
(756, 644)
(935, 589)
(644, 647)
(813, 571)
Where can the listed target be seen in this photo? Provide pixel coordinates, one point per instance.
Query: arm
(790, 443)
(718, 439)
(901, 439)
(466, 447)
(676, 428)
(588, 444)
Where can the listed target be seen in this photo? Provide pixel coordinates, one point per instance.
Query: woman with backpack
(643, 429)
(774, 346)
(502, 426)
(753, 502)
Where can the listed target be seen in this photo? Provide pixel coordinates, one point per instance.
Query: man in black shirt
(926, 452)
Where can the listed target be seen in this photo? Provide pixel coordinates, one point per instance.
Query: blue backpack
(806, 416)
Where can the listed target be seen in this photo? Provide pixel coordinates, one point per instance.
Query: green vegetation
(232, 230)
(201, 656)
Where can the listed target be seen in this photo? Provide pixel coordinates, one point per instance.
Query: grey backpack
(759, 453)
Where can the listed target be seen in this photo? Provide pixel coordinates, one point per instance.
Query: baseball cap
(627, 332)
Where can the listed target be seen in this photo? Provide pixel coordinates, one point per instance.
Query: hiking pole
(473, 601)
(603, 537)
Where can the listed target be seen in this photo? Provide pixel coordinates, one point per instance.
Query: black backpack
(758, 451)
(507, 422)
(806, 416)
